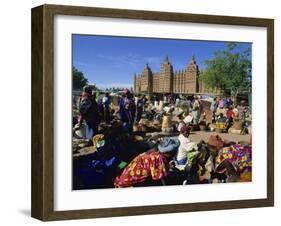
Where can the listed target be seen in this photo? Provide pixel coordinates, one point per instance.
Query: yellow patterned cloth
(146, 165)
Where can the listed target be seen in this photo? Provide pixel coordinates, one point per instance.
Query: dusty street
(199, 135)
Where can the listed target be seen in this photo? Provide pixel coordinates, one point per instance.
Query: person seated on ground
(187, 149)
(236, 162)
(149, 166)
(221, 121)
(221, 118)
(215, 143)
(202, 166)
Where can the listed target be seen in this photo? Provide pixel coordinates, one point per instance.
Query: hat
(185, 129)
(216, 141)
(168, 144)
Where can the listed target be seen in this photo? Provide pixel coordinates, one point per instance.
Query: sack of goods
(167, 124)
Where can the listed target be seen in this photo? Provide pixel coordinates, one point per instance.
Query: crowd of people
(225, 112)
(123, 158)
(93, 110)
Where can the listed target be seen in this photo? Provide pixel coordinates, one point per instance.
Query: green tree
(78, 79)
(229, 70)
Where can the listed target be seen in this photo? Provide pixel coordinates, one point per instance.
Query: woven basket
(219, 130)
(202, 127)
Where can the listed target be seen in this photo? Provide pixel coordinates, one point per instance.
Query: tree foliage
(78, 79)
(229, 70)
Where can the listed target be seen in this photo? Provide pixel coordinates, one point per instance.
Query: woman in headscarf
(149, 166)
(89, 112)
(127, 110)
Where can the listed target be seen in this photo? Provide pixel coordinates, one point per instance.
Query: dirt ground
(199, 135)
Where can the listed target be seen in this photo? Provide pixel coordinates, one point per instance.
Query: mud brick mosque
(184, 81)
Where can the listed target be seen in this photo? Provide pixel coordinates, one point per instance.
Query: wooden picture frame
(43, 111)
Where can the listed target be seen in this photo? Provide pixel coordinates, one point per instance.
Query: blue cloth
(168, 144)
(182, 161)
(127, 115)
(103, 164)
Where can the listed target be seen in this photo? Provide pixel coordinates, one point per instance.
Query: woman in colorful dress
(127, 110)
(236, 162)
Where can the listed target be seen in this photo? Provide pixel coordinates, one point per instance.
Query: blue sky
(109, 61)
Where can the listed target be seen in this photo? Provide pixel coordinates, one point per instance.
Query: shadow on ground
(25, 212)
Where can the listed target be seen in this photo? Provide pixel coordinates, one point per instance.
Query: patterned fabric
(127, 109)
(221, 103)
(144, 166)
(238, 155)
(191, 155)
(98, 141)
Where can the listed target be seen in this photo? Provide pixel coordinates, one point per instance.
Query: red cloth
(230, 114)
(152, 165)
(185, 129)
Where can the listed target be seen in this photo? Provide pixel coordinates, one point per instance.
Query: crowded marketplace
(126, 139)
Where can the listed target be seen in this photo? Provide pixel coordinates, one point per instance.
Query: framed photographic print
(142, 112)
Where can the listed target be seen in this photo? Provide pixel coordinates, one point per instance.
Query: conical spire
(193, 59)
(146, 68)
